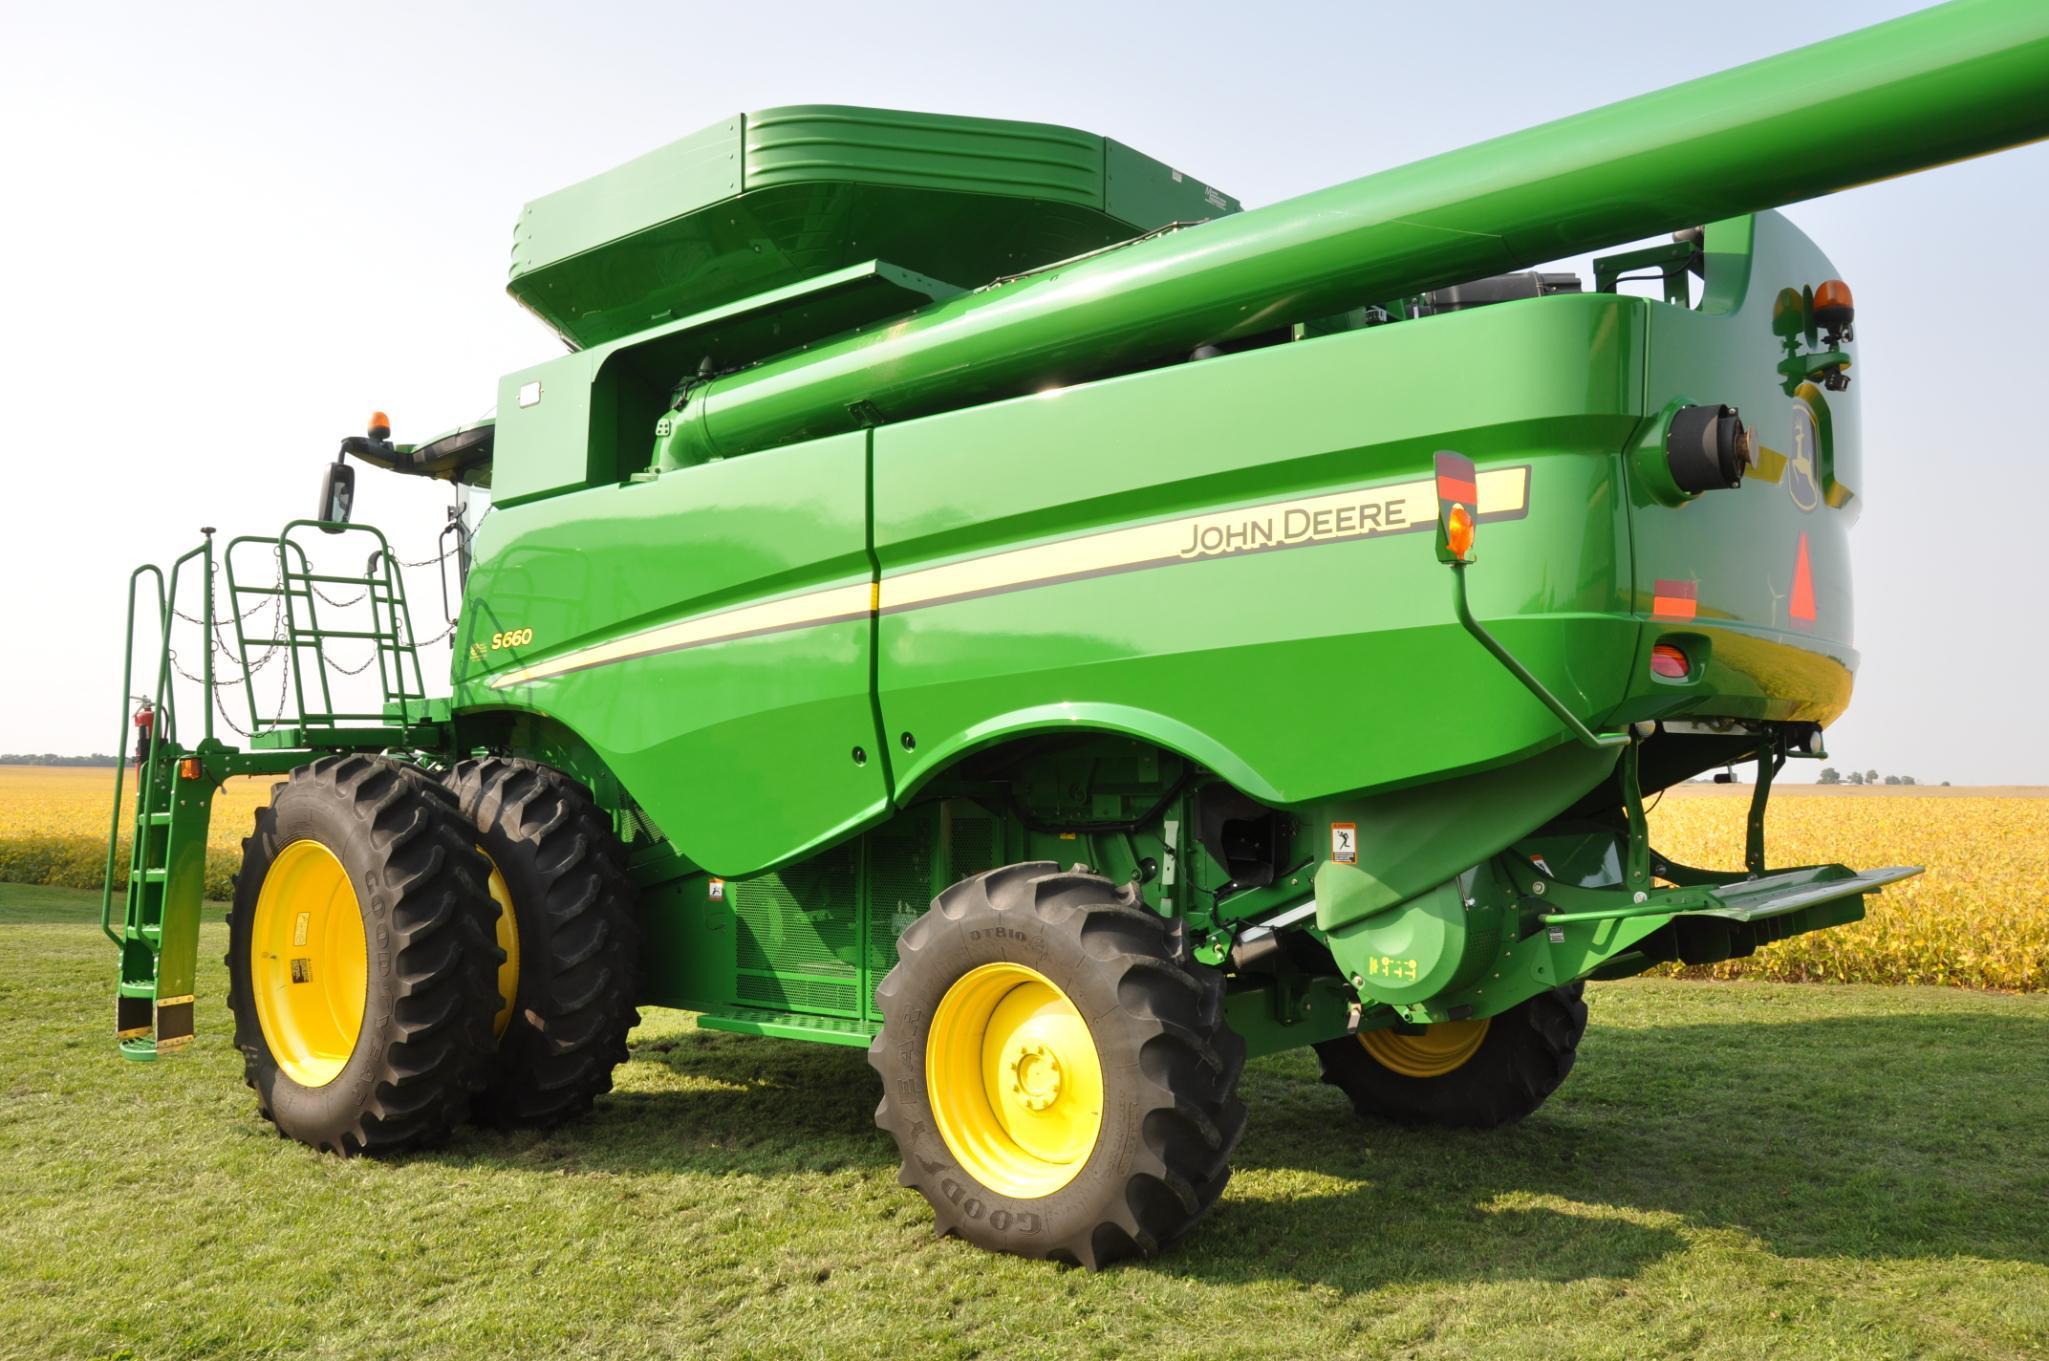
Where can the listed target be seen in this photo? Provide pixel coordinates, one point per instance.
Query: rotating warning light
(1834, 310)
(380, 425)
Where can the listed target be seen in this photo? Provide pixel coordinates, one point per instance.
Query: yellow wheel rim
(1014, 1080)
(508, 941)
(1437, 1051)
(309, 963)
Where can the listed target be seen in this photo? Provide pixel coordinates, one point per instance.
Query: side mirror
(337, 494)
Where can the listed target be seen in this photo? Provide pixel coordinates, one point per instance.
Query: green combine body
(972, 593)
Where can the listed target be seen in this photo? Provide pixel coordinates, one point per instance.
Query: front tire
(361, 967)
(1462, 1074)
(1056, 1071)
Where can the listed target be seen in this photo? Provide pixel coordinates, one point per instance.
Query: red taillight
(1669, 663)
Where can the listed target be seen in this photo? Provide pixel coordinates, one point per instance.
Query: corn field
(1978, 918)
(53, 826)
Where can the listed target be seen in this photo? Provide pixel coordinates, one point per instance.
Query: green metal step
(789, 1026)
(1776, 894)
(1748, 900)
(158, 928)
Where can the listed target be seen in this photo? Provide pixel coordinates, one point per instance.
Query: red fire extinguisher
(145, 721)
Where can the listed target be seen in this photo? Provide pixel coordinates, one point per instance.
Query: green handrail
(300, 628)
(1598, 741)
(121, 743)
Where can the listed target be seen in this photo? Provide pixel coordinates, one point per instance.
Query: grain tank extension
(974, 592)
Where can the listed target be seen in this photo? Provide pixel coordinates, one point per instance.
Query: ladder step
(155, 876)
(156, 819)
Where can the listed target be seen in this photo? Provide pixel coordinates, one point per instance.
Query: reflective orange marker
(1674, 599)
(1458, 498)
(189, 768)
(1800, 607)
(1458, 532)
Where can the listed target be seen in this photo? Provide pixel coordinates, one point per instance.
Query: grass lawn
(1740, 1169)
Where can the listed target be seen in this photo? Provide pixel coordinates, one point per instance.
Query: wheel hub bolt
(1035, 1077)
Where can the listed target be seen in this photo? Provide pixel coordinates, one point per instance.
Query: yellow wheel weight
(1440, 1049)
(508, 941)
(309, 963)
(1015, 1082)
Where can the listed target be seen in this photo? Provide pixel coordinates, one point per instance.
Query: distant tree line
(51, 758)
(1830, 775)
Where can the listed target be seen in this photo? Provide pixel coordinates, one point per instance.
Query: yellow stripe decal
(1368, 512)
(830, 605)
(1363, 513)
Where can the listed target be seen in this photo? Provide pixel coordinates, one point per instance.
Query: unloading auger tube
(1933, 87)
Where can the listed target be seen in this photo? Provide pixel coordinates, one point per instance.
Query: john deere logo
(1802, 482)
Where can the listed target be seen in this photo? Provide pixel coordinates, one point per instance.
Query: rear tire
(1521, 1059)
(1030, 1129)
(361, 966)
(578, 939)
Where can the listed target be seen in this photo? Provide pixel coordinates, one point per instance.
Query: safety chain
(434, 561)
(240, 618)
(275, 644)
(275, 641)
(220, 704)
(338, 604)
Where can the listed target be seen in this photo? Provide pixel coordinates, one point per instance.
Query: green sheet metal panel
(543, 440)
(1765, 567)
(818, 936)
(590, 416)
(687, 174)
(1137, 188)
(804, 143)
(1169, 553)
(706, 633)
(762, 200)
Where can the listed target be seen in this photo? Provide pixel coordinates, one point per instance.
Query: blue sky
(231, 229)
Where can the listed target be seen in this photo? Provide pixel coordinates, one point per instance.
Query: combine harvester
(972, 593)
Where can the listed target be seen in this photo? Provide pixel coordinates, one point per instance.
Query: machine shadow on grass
(1867, 1137)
